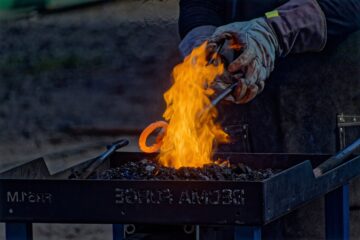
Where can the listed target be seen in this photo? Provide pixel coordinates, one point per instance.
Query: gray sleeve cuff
(195, 38)
(300, 26)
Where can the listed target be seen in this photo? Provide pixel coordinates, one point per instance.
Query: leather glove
(295, 27)
(257, 45)
(195, 38)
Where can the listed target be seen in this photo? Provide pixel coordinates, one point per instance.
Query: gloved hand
(257, 45)
(295, 27)
(195, 38)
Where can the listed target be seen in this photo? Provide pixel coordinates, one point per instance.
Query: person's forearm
(195, 13)
(300, 26)
(342, 16)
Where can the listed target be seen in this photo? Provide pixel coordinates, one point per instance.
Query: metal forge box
(29, 193)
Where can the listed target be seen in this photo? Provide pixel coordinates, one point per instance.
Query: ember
(150, 170)
(192, 133)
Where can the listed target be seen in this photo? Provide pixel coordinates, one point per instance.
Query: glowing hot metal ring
(147, 131)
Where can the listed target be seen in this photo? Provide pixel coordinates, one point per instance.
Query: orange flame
(192, 133)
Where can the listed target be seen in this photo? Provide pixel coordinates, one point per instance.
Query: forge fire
(191, 135)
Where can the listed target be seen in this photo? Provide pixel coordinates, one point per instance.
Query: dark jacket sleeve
(195, 13)
(342, 16)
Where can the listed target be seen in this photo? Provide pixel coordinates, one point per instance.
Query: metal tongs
(229, 89)
(86, 169)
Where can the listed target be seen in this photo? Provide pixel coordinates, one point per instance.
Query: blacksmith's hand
(195, 38)
(255, 44)
(295, 27)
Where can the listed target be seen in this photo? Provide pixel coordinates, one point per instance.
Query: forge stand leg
(118, 232)
(233, 233)
(18, 231)
(213, 233)
(337, 214)
(247, 233)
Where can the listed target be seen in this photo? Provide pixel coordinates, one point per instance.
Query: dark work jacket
(342, 16)
(297, 110)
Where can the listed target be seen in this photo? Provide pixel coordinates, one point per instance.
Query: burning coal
(192, 134)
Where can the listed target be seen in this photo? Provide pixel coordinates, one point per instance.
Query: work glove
(195, 38)
(297, 26)
(256, 44)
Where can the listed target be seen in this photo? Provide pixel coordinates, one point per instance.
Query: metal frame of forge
(336, 207)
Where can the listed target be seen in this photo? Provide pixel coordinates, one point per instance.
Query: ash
(151, 170)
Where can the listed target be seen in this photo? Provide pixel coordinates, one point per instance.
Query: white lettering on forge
(132, 196)
(213, 197)
(29, 197)
(187, 197)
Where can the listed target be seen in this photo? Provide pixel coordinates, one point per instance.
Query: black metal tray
(29, 193)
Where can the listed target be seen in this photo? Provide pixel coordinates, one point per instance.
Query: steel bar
(216, 53)
(218, 98)
(223, 94)
(229, 89)
(99, 160)
(337, 159)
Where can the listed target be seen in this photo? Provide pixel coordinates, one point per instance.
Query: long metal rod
(99, 160)
(337, 159)
(223, 94)
(229, 89)
(215, 55)
(218, 99)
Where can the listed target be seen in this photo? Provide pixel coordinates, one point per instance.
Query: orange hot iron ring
(146, 133)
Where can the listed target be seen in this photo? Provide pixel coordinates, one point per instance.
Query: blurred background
(70, 74)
